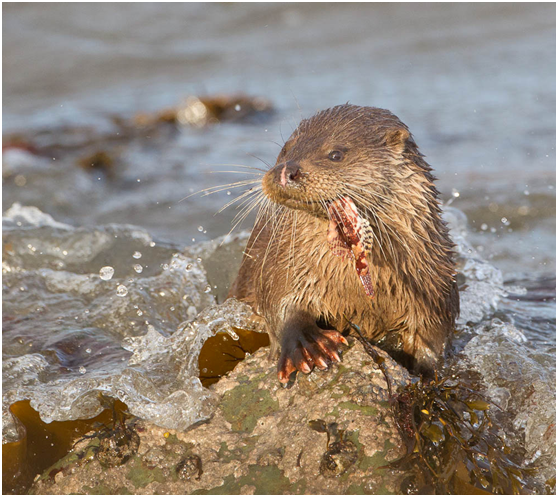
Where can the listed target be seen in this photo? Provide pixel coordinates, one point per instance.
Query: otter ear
(396, 139)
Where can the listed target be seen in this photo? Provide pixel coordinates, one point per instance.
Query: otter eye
(335, 155)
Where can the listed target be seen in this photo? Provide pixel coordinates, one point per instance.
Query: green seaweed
(341, 370)
(345, 389)
(355, 489)
(238, 453)
(172, 439)
(334, 413)
(245, 404)
(376, 461)
(267, 480)
(140, 476)
(100, 490)
(353, 406)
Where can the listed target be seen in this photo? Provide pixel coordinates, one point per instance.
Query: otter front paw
(306, 347)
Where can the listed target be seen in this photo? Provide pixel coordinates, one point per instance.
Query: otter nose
(289, 173)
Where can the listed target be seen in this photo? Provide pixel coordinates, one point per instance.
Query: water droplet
(199, 259)
(140, 312)
(88, 351)
(505, 221)
(237, 107)
(121, 291)
(106, 273)
(200, 228)
(172, 308)
(228, 193)
(454, 193)
(484, 226)
(492, 230)
(188, 268)
(138, 268)
(207, 289)
(20, 180)
(151, 244)
(82, 370)
(137, 255)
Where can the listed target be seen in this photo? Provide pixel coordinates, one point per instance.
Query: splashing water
(69, 335)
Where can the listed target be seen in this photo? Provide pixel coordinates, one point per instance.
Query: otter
(350, 233)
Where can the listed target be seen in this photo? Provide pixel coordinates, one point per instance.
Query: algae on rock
(262, 439)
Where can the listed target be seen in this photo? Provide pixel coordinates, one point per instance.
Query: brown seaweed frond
(452, 443)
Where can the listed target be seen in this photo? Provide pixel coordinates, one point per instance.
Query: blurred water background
(475, 83)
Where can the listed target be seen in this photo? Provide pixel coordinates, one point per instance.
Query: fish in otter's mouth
(349, 234)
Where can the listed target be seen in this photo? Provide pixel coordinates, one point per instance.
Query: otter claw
(323, 365)
(285, 369)
(306, 349)
(334, 356)
(336, 337)
(305, 368)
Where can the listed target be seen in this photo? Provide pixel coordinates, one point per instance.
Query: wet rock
(261, 439)
(203, 111)
(100, 160)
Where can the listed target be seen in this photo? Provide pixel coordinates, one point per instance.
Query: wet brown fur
(290, 276)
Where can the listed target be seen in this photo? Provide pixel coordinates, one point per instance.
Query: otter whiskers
(247, 201)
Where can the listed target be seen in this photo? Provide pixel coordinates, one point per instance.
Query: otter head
(345, 151)
(358, 169)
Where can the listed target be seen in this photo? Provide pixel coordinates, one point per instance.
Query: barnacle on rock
(189, 467)
(340, 455)
(119, 443)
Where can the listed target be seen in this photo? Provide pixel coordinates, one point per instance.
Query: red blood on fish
(345, 237)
